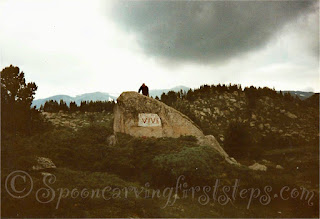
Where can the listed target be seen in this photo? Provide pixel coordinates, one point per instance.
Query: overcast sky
(78, 46)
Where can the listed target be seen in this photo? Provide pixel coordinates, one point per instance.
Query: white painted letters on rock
(149, 120)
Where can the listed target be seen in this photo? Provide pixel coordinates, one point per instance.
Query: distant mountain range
(100, 96)
(83, 97)
(301, 94)
(158, 92)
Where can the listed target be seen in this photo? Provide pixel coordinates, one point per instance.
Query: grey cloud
(205, 32)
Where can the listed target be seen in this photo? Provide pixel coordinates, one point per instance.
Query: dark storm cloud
(205, 32)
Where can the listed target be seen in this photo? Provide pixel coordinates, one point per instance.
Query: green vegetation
(239, 142)
(85, 160)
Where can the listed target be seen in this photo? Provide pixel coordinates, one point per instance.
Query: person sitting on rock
(144, 89)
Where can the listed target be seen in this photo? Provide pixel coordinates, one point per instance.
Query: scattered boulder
(267, 125)
(274, 129)
(112, 140)
(257, 166)
(260, 126)
(279, 167)
(291, 115)
(207, 110)
(216, 110)
(264, 161)
(43, 163)
(254, 117)
(202, 113)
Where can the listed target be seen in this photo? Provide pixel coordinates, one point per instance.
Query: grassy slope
(84, 160)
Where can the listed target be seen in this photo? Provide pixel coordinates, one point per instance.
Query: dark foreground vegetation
(86, 161)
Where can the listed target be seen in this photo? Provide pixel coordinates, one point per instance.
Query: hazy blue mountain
(83, 97)
(39, 102)
(158, 92)
(96, 96)
(301, 94)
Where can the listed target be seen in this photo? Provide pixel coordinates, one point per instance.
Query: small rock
(112, 140)
(279, 167)
(257, 166)
(260, 126)
(274, 129)
(266, 161)
(291, 115)
(44, 163)
(227, 112)
(267, 125)
(216, 110)
(207, 110)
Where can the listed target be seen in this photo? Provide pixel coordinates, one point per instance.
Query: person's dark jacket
(145, 90)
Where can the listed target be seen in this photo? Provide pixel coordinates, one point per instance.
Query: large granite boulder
(142, 116)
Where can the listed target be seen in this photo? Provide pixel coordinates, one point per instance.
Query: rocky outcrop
(216, 110)
(142, 116)
(139, 116)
